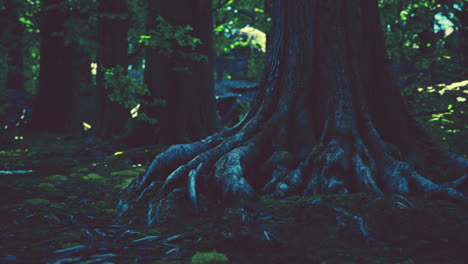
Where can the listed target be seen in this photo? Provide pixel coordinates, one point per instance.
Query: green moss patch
(124, 184)
(37, 202)
(93, 177)
(46, 186)
(81, 170)
(212, 257)
(56, 178)
(126, 173)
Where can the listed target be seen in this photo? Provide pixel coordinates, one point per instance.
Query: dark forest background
(91, 91)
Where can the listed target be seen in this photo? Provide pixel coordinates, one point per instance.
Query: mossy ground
(76, 185)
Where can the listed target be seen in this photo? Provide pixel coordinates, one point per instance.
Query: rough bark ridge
(325, 122)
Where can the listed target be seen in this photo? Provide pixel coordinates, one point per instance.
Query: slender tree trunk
(54, 107)
(185, 85)
(113, 52)
(12, 34)
(329, 120)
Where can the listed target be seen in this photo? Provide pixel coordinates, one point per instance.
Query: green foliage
(212, 257)
(410, 30)
(234, 15)
(123, 89)
(418, 34)
(128, 92)
(441, 110)
(241, 24)
(173, 41)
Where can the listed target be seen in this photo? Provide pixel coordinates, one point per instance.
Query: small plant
(212, 257)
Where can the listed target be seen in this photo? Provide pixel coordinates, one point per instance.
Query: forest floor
(64, 211)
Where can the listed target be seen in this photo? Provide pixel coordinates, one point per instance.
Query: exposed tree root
(222, 170)
(324, 122)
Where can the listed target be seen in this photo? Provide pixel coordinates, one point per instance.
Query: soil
(64, 211)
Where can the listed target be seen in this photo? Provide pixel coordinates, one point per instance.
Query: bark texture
(12, 37)
(329, 120)
(185, 85)
(112, 52)
(54, 106)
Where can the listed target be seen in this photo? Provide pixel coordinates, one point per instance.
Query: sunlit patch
(257, 37)
(134, 111)
(420, 89)
(118, 153)
(86, 126)
(461, 99)
(93, 68)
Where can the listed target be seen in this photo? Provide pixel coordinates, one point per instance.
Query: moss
(37, 202)
(126, 173)
(101, 204)
(81, 169)
(72, 197)
(46, 186)
(212, 257)
(92, 177)
(140, 170)
(74, 175)
(111, 211)
(124, 184)
(56, 177)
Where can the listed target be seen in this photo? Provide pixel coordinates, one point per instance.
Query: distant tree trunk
(330, 120)
(185, 85)
(13, 37)
(113, 52)
(54, 107)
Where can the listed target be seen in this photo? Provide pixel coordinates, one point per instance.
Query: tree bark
(329, 120)
(113, 52)
(54, 106)
(12, 34)
(189, 112)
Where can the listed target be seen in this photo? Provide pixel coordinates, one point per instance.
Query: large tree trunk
(113, 52)
(184, 84)
(329, 120)
(54, 107)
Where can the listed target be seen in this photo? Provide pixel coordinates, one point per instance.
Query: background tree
(330, 120)
(54, 107)
(179, 70)
(112, 54)
(12, 34)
